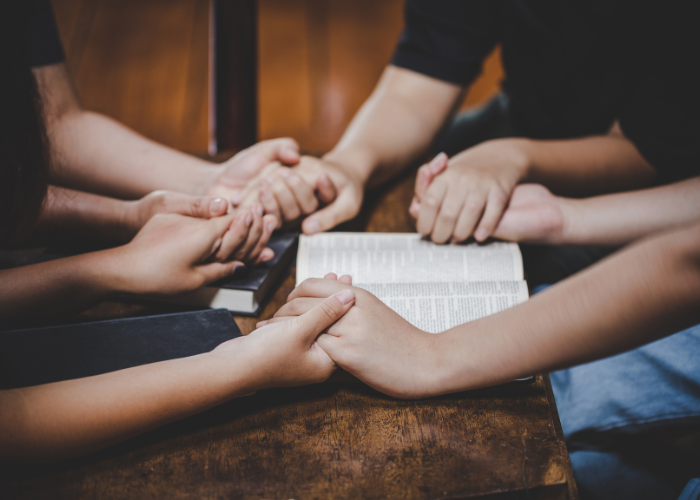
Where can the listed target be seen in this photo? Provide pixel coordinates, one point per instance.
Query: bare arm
(95, 153)
(67, 214)
(639, 295)
(589, 165)
(74, 417)
(394, 127)
(535, 215)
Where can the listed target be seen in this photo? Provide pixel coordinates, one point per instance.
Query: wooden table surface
(339, 439)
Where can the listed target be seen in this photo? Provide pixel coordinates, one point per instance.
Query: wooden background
(145, 63)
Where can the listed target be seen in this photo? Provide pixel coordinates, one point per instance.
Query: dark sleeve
(45, 44)
(447, 39)
(662, 119)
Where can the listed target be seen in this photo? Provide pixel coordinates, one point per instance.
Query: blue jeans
(630, 420)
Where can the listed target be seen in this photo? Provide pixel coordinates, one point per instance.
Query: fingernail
(414, 208)
(248, 219)
(481, 234)
(423, 173)
(291, 152)
(284, 173)
(264, 194)
(271, 226)
(217, 204)
(345, 297)
(312, 226)
(325, 181)
(216, 245)
(267, 254)
(258, 209)
(261, 323)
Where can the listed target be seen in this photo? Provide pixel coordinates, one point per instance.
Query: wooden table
(339, 439)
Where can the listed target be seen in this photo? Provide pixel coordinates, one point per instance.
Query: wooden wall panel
(144, 62)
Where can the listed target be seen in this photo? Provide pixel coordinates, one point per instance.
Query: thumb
(323, 315)
(286, 150)
(203, 207)
(345, 207)
(326, 189)
(218, 270)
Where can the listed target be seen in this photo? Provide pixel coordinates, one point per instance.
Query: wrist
(572, 230)
(355, 163)
(128, 219)
(522, 152)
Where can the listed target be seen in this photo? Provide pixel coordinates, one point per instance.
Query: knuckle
(473, 205)
(328, 311)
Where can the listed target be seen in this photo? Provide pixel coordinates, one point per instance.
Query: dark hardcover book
(43, 355)
(247, 290)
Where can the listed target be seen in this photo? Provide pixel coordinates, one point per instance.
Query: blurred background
(146, 63)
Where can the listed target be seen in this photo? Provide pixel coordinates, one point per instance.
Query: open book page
(405, 258)
(436, 307)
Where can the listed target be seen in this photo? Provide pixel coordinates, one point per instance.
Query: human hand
(342, 195)
(174, 253)
(470, 195)
(292, 193)
(287, 351)
(230, 179)
(371, 341)
(137, 213)
(535, 215)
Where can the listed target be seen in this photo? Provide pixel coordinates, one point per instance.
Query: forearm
(92, 152)
(589, 165)
(74, 417)
(62, 286)
(68, 213)
(396, 125)
(639, 295)
(617, 219)
(97, 154)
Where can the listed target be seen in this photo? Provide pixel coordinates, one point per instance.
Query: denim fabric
(620, 416)
(691, 490)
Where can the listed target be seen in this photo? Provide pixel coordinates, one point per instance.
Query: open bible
(434, 287)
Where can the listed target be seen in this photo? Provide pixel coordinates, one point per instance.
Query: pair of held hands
(327, 323)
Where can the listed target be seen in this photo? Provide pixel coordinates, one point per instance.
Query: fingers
(299, 306)
(345, 207)
(427, 173)
(206, 207)
(284, 149)
(318, 288)
(255, 231)
(326, 189)
(234, 237)
(218, 270)
(346, 278)
(430, 206)
(259, 253)
(325, 314)
(269, 202)
(302, 192)
(495, 205)
(449, 212)
(471, 211)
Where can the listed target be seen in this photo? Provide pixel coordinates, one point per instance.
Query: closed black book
(43, 355)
